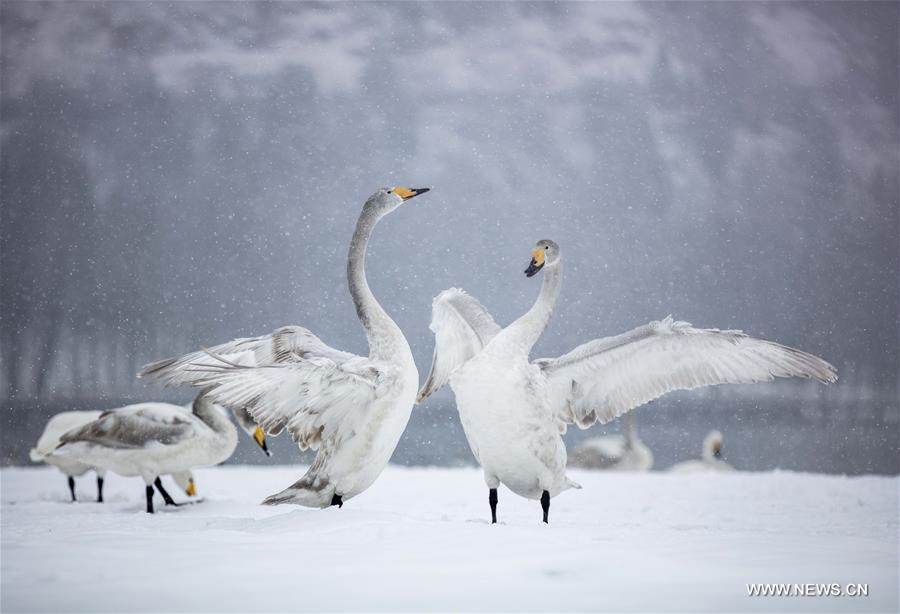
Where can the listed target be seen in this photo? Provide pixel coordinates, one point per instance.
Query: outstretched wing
(605, 378)
(461, 327)
(289, 343)
(316, 399)
(134, 427)
(287, 380)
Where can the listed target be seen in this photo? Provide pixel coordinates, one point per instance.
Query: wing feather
(289, 343)
(462, 327)
(289, 380)
(605, 378)
(315, 399)
(134, 427)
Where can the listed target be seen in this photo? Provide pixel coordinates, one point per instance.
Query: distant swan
(352, 409)
(710, 458)
(66, 421)
(514, 411)
(622, 452)
(153, 439)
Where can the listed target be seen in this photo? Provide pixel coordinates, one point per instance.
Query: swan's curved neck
(204, 409)
(384, 337)
(529, 328)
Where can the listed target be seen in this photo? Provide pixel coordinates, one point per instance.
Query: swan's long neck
(529, 328)
(204, 409)
(384, 336)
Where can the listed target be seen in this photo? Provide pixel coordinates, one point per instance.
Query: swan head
(545, 253)
(386, 200)
(712, 445)
(249, 426)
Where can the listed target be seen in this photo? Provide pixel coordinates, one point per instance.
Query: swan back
(56, 427)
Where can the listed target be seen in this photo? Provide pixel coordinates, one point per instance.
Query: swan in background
(623, 452)
(352, 409)
(514, 412)
(152, 439)
(72, 468)
(710, 459)
(66, 421)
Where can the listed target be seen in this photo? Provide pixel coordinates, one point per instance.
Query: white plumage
(71, 466)
(651, 360)
(351, 409)
(514, 411)
(152, 439)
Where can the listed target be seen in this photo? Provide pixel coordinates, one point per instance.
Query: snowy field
(419, 540)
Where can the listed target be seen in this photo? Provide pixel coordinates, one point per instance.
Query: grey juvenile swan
(153, 439)
(514, 411)
(66, 421)
(352, 409)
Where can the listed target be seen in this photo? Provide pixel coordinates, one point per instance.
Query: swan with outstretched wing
(351, 409)
(514, 411)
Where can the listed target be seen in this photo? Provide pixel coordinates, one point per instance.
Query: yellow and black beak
(537, 262)
(717, 450)
(407, 193)
(259, 436)
(191, 489)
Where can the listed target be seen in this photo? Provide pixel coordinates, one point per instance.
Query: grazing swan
(153, 439)
(66, 421)
(352, 409)
(710, 460)
(514, 411)
(623, 452)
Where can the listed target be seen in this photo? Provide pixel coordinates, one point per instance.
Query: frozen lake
(419, 540)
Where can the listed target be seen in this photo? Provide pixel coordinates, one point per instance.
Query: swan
(66, 421)
(153, 439)
(72, 468)
(351, 409)
(710, 459)
(514, 412)
(623, 452)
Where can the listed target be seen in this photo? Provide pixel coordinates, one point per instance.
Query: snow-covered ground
(419, 540)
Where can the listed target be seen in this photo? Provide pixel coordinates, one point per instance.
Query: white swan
(153, 439)
(72, 468)
(622, 452)
(66, 421)
(710, 458)
(352, 409)
(514, 411)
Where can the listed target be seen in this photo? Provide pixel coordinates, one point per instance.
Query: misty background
(175, 175)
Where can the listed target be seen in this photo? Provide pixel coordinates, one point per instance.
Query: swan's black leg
(72, 487)
(492, 499)
(545, 505)
(149, 499)
(166, 497)
(99, 489)
(337, 500)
